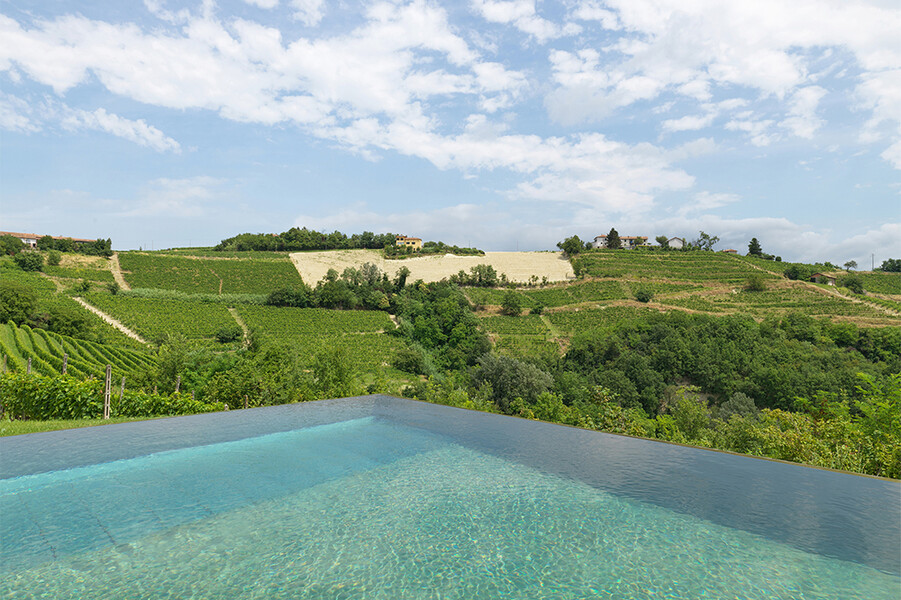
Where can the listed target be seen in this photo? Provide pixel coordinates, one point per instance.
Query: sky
(506, 125)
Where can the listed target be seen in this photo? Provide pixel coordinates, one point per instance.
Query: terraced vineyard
(47, 350)
(152, 319)
(208, 275)
(674, 266)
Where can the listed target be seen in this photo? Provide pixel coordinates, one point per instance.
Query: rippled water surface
(369, 508)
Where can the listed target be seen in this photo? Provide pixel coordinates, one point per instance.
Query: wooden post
(192, 395)
(106, 391)
(122, 389)
(154, 390)
(245, 400)
(65, 362)
(4, 365)
(177, 383)
(28, 368)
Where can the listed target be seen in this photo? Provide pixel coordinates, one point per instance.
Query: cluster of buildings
(629, 241)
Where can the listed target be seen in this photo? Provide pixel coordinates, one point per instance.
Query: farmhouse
(408, 242)
(730, 251)
(31, 239)
(628, 241)
(676, 242)
(822, 278)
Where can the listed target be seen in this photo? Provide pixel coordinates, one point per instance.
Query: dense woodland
(777, 382)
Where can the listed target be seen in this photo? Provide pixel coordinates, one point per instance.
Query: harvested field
(518, 266)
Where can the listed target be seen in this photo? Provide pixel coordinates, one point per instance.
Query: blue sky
(501, 124)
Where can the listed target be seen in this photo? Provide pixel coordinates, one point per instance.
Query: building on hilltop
(408, 242)
(626, 241)
(676, 242)
(730, 251)
(31, 239)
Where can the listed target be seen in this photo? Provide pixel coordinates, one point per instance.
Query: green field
(152, 319)
(693, 266)
(208, 275)
(47, 350)
(312, 330)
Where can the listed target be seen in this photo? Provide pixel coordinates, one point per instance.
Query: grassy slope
(711, 283)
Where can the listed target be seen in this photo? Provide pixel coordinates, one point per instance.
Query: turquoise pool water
(371, 507)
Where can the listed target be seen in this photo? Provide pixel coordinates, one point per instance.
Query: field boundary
(111, 320)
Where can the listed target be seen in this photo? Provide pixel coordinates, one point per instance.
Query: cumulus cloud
(697, 47)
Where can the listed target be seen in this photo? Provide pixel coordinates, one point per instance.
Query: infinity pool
(379, 497)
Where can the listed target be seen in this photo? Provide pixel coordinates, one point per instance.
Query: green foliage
(571, 246)
(853, 283)
(644, 295)
(299, 297)
(17, 302)
(511, 305)
(54, 257)
(755, 283)
(511, 379)
(478, 276)
(35, 396)
(305, 239)
(229, 334)
(334, 374)
(613, 242)
(662, 241)
(891, 265)
(29, 261)
(113, 288)
(10, 245)
(705, 241)
(754, 248)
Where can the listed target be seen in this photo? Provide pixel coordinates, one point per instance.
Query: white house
(626, 241)
(676, 242)
(29, 239)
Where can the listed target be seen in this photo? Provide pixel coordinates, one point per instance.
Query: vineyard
(312, 330)
(208, 275)
(153, 319)
(47, 351)
(675, 266)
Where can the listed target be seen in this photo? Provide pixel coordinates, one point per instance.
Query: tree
(663, 241)
(755, 283)
(29, 261)
(511, 304)
(54, 257)
(17, 302)
(511, 379)
(613, 240)
(705, 241)
(851, 264)
(644, 295)
(754, 248)
(571, 245)
(400, 279)
(10, 245)
(892, 265)
(853, 283)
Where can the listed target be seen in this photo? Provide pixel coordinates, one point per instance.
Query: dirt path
(117, 271)
(111, 321)
(240, 321)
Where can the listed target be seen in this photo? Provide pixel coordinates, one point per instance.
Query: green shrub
(54, 257)
(29, 261)
(755, 283)
(229, 334)
(853, 283)
(113, 287)
(644, 295)
(511, 304)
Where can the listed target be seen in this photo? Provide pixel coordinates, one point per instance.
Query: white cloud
(697, 47)
(267, 4)
(138, 131)
(522, 15)
(803, 120)
(308, 12)
(15, 115)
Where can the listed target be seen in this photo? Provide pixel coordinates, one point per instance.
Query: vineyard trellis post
(122, 389)
(3, 370)
(106, 391)
(28, 368)
(177, 383)
(65, 362)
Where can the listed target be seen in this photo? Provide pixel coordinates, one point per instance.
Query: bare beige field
(518, 266)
